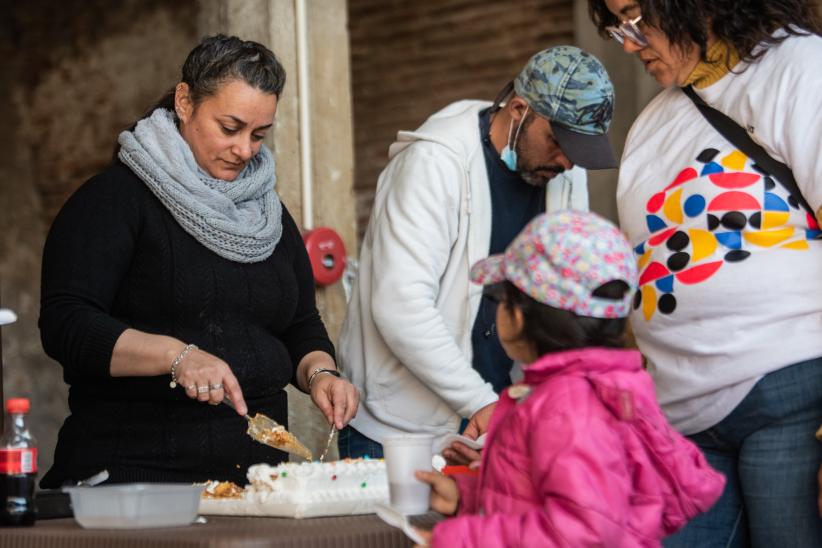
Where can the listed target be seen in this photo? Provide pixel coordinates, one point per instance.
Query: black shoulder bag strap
(738, 137)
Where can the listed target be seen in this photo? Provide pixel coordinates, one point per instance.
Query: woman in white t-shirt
(729, 312)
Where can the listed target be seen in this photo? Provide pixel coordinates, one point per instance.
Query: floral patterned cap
(560, 258)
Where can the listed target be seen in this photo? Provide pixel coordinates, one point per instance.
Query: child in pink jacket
(578, 453)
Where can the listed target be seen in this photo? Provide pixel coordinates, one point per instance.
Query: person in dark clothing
(177, 278)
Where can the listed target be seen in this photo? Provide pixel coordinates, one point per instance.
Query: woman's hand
(337, 398)
(203, 376)
(207, 378)
(445, 495)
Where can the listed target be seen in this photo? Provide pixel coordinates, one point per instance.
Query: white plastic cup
(404, 454)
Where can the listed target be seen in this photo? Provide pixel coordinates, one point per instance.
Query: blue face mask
(509, 151)
(509, 158)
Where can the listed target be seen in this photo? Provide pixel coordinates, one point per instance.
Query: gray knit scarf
(240, 220)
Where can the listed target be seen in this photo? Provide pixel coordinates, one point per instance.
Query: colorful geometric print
(729, 208)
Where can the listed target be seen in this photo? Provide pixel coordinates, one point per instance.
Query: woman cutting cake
(176, 278)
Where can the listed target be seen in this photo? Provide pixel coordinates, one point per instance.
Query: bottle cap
(17, 405)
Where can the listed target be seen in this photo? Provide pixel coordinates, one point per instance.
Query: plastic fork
(395, 518)
(328, 442)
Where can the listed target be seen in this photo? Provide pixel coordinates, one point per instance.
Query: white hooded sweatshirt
(406, 340)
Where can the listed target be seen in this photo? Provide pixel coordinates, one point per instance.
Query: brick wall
(409, 59)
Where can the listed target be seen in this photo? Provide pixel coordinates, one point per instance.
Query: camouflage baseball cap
(572, 90)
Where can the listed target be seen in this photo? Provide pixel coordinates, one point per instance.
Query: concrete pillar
(272, 23)
(633, 89)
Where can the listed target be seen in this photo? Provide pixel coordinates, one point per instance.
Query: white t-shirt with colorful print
(730, 270)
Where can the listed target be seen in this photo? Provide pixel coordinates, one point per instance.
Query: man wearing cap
(418, 340)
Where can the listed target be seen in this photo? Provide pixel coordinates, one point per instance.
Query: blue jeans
(767, 451)
(353, 444)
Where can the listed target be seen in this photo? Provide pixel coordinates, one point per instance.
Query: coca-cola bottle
(18, 466)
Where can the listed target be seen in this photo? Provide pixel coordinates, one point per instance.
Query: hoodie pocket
(406, 403)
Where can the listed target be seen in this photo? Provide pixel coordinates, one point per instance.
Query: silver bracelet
(177, 361)
(321, 370)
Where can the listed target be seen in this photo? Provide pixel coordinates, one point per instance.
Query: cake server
(396, 519)
(267, 431)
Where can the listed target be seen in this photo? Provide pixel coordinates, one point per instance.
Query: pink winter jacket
(585, 458)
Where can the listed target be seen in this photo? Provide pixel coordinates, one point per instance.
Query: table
(365, 531)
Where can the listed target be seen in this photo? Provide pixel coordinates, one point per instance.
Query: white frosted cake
(301, 490)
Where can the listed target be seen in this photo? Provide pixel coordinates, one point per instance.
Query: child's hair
(552, 329)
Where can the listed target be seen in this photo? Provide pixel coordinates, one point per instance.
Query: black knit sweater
(115, 258)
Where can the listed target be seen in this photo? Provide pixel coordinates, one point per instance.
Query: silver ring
(217, 386)
(202, 389)
(191, 387)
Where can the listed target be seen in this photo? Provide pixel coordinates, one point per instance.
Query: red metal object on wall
(326, 252)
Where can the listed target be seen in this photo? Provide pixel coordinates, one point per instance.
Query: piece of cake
(308, 489)
(222, 490)
(268, 432)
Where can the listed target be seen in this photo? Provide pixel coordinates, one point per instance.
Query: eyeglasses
(628, 29)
